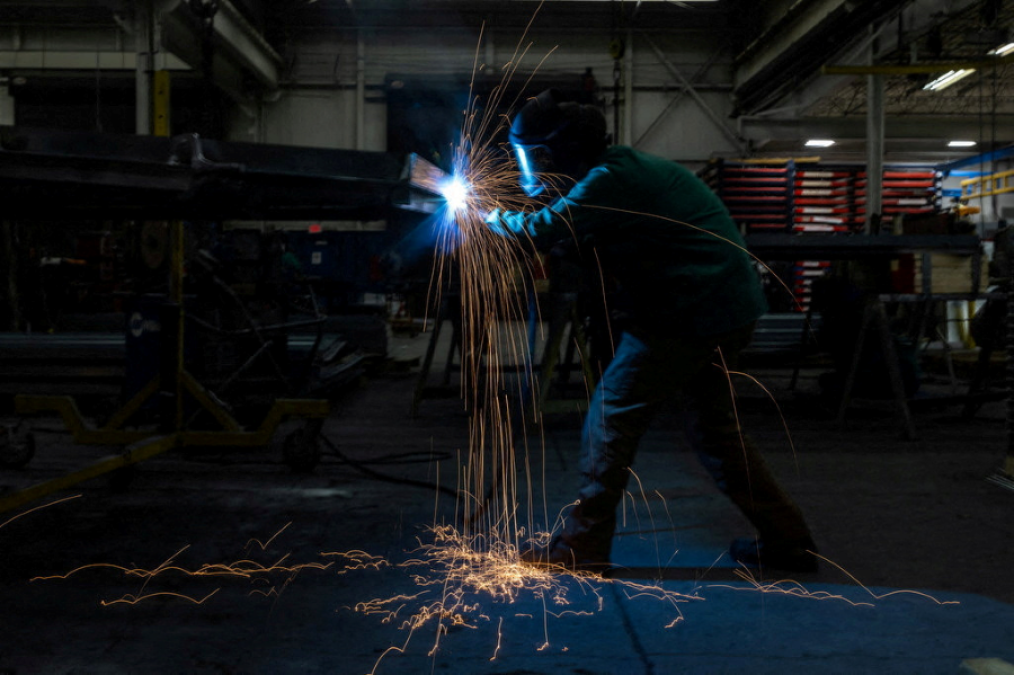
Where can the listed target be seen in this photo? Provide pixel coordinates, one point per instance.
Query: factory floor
(227, 562)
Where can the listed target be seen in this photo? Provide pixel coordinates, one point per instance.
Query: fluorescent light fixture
(1003, 50)
(819, 143)
(961, 144)
(949, 78)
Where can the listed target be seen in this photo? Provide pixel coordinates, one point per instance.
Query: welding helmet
(553, 136)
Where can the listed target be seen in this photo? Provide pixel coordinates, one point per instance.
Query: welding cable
(362, 466)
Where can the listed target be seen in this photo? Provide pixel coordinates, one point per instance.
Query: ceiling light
(1003, 50)
(819, 143)
(961, 144)
(948, 78)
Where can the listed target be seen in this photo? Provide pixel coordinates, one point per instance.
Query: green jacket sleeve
(572, 214)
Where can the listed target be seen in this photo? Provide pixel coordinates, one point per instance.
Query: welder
(691, 297)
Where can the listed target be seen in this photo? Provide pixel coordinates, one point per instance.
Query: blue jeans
(646, 371)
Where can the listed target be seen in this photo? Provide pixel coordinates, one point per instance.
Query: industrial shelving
(811, 197)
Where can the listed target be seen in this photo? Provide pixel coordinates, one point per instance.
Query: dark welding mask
(535, 133)
(552, 136)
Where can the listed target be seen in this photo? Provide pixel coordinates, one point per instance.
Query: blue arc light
(530, 183)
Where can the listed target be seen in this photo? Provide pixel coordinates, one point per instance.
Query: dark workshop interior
(273, 400)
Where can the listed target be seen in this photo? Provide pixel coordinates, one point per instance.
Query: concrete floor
(226, 562)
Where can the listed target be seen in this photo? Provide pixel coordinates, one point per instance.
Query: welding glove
(508, 223)
(493, 221)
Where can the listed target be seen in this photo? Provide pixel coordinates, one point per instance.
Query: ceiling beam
(917, 68)
(688, 86)
(77, 60)
(791, 82)
(933, 128)
(242, 55)
(558, 17)
(800, 19)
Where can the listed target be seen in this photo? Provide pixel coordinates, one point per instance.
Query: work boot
(560, 556)
(794, 556)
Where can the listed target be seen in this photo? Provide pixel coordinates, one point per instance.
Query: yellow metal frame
(986, 186)
(145, 444)
(153, 446)
(231, 435)
(142, 444)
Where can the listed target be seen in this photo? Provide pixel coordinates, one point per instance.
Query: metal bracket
(188, 150)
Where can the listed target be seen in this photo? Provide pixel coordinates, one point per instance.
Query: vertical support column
(160, 103)
(10, 293)
(874, 147)
(8, 248)
(143, 47)
(6, 106)
(360, 91)
(161, 83)
(177, 232)
(1004, 476)
(616, 50)
(171, 338)
(628, 92)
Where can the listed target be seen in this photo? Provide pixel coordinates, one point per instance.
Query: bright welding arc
(456, 192)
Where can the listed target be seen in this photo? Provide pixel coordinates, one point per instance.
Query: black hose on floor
(364, 468)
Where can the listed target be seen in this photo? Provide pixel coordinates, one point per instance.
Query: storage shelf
(805, 199)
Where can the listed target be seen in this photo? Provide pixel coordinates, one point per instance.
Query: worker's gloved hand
(510, 223)
(495, 221)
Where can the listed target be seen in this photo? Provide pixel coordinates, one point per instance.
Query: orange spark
(33, 510)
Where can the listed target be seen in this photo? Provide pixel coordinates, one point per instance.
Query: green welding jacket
(662, 235)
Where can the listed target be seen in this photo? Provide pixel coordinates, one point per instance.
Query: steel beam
(77, 60)
(917, 68)
(186, 176)
(729, 132)
(144, 46)
(897, 128)
(241, 54)
(874, 149)
(801, 18)
(247, 46)
(985, 158)
(677, 97)
(784, 63)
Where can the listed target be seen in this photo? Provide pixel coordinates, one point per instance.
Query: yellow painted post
(160, 103)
